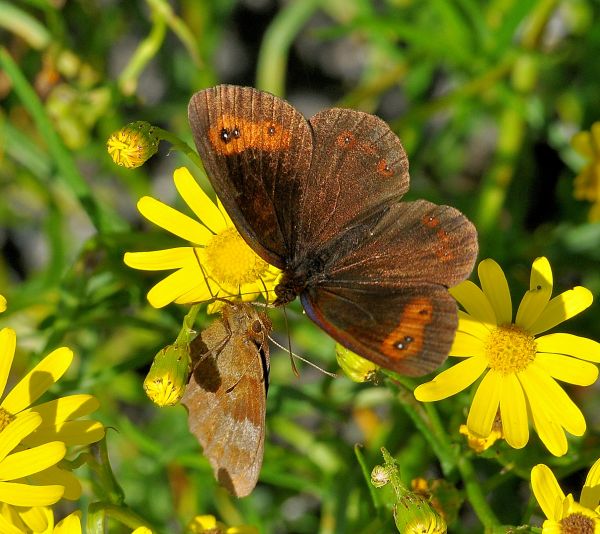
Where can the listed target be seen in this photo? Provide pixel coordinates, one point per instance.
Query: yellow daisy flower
(519, 369)
(2, 304)
(60, 417)
(219, 257)
(587, 182)
(565, 515)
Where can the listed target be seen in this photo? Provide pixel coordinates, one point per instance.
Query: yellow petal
(27, 495)
(535, 300)
(559, 405)
(474, 301)
(590, 494)
(485, 404)
(14, 432)
(466, 345)
(469, 325)
(228, 221)
(546, 490)
(161, 260)
(38, 380)
(579, 347)
(199, 202)
(37, 518)
(567, 369)
(199, 293)
(65, 408)
(495, 287)
(451, 381)
(8, 343)
(561, 308)
(72, 433)
(173, 221)
(69, 525)
(7, 526)
(174, 286)
(2, 303)
(513, 412)
(56, 475)
(24, 463)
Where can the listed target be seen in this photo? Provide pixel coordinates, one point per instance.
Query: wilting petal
(199, 202)
(451, 381)
(485, 404)
(495, 287)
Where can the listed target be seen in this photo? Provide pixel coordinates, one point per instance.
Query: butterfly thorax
(292, 283)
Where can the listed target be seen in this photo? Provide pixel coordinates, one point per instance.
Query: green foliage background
(485, 96)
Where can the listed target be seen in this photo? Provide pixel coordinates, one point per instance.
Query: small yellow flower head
(356, 367)
(208, 524)
(2, 304)
(168, 376)
(414, 515)
(482, 443)
(142, 530)
(565, 515)
(133, 145)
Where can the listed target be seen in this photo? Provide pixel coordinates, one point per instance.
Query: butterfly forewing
(256, 149)
(226, 395)
(358, 167)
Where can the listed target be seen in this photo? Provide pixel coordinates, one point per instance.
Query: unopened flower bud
(133, 145)
(414, 515)
(356, 367)
(168, 377)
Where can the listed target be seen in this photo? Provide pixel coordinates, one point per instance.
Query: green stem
(24, 25)
(428, 422)
(146, 50)
(104, 219)
(180, 145)
(99, 511)
(273, 54)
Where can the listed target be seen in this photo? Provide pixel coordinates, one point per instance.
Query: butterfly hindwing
(226, 395)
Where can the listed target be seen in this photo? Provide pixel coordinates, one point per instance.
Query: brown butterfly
(227, 392)
(320, 199)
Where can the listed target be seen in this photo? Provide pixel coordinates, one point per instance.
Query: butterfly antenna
(289, 347)
(312, 364)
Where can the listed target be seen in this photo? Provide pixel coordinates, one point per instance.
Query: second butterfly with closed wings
(321, 200)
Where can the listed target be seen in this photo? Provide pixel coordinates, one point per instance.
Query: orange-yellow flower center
(231, 262)
(510, 349)
(577, 524)
(5, 418)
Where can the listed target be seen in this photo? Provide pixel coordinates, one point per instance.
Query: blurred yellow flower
(219, 257)
(587, 182)
(519, 369)
(2, 304)
(59, 417)
(208, 524)
(565, 515)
